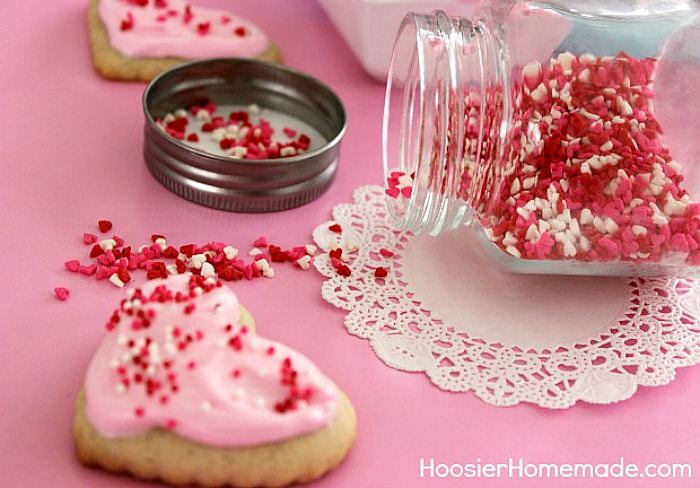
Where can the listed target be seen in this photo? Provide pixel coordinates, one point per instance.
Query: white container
(369, 26)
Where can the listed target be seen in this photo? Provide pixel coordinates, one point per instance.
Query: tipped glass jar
(564, 133)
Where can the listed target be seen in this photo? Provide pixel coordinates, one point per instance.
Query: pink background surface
(71, 154)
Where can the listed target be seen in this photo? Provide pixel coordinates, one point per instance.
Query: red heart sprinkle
(380, 272)
(104, 225)
(386, 253)
(123, 275)
(96, 251)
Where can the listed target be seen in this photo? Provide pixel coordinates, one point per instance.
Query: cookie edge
(163, 455)
(148, 456)
(113, 65)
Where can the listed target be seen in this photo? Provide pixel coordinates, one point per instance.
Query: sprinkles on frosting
(173, 359)
(155, 366)
(164, 28)
(180, 13)
(588, 176)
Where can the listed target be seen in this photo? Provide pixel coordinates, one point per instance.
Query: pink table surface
(71, 154)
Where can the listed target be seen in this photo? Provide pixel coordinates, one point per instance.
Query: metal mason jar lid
(243, 185)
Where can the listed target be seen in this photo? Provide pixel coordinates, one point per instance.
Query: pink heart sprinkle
(62, 293)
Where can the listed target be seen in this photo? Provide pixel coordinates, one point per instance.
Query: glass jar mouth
(422, 146)
(402, 117)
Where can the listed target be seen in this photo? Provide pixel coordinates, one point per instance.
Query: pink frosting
(175, 357)
(173, 28)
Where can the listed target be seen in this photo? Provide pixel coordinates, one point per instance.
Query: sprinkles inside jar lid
(242, 135)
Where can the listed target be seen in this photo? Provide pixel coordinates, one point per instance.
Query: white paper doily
(509, 338)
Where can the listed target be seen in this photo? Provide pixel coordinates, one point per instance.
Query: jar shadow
(449, 276)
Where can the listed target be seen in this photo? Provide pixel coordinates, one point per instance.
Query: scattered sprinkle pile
(111, 259)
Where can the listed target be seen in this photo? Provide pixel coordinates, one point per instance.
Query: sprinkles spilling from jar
(585, 175)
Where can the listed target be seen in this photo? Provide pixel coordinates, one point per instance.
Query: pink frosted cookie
(138, 39)
(182, 390)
